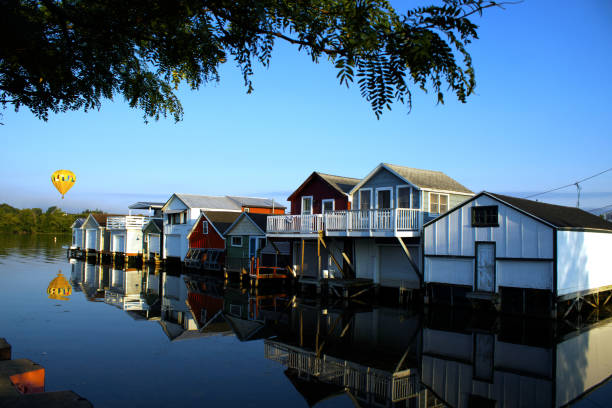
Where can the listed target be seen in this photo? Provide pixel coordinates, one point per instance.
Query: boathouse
(96, 238)
(152, 235)
(77, 233)
(377, 236)
(182, 210)
(516, 253)
(126, 236)
(206, 240)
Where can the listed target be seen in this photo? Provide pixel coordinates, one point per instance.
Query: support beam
(412, 263)
(302, 261)
(331, 254)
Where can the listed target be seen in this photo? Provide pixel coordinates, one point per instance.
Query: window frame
(327, 200)
(311, 205)
(369, 190)
(204, 224)
(236, 237)
(397, 194)
(487, 223)
(390, 190)
(439, 195)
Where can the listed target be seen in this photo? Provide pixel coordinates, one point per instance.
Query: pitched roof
(260, 220)
(101, 218)
(428, 179)
(77, 223)
(557, 215)
(256, 202)
(342, 184)
(221, 219)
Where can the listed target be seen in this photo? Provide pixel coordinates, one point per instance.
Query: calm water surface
(128, 337)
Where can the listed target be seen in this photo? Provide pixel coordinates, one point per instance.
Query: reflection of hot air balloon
(59, 288)
(63, 180)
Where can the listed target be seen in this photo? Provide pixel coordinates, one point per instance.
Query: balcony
(395, 222)
(127, 222)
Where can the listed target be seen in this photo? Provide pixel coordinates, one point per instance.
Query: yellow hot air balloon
(63, 180)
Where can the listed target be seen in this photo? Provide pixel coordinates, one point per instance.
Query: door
(90, 239)
(119, 243)
(485, 266)
(253, 246)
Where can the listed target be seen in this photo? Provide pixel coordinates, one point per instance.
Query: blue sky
(540, 118)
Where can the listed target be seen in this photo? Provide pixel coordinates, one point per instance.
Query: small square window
(485, 216)
(236, 241)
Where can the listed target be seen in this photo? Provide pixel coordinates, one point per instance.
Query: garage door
(154, 243)
(118, 243)
(173, 246)
(395, 268)
(90, 239)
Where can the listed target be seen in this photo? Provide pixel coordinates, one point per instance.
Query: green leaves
(70, 55)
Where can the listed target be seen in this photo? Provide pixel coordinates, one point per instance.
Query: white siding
(455, 271)
(518, 236)
(524, 274)
(173, 246)
(584, 261)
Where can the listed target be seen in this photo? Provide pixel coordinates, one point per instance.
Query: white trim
(302, 205)
(439, 210)
(232, 241)
(328, 200)
(450, 192)
(359, 197)
(390, 190)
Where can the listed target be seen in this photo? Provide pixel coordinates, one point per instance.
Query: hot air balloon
(63, 180)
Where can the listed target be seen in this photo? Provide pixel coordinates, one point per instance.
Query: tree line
(34, 220)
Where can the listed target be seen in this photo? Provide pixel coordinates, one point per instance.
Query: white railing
(385, 385)
(127, 222)
(396, 219)
(305, 224)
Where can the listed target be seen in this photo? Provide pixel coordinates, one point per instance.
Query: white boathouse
(495, 247)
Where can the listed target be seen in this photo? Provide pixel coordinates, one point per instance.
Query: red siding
(319, 190)
(258, 210)
(210, 240)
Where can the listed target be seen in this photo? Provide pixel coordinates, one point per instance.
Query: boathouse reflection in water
(379, 356)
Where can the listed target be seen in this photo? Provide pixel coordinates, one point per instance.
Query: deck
(343, 288)
(394, 222)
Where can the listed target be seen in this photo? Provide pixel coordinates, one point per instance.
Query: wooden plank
(332, 255)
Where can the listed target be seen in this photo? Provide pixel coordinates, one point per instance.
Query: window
(365, 199)
(204, 227)
(247, 209)
(485, 216)
(384, 198)
(327, 205)
(403, 197)
(416, 198)
(307, 205)
(183, 218)
(438, 203)
(236, 241)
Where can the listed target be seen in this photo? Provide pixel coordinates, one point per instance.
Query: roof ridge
(414, 168)
(334, 175)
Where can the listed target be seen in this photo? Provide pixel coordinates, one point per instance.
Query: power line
(571, 184)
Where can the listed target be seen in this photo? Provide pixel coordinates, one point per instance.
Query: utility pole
(578, 188)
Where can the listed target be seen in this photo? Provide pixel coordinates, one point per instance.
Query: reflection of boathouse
(372, 354)
(522, 365)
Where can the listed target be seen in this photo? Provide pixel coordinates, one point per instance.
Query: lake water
(150, 338)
